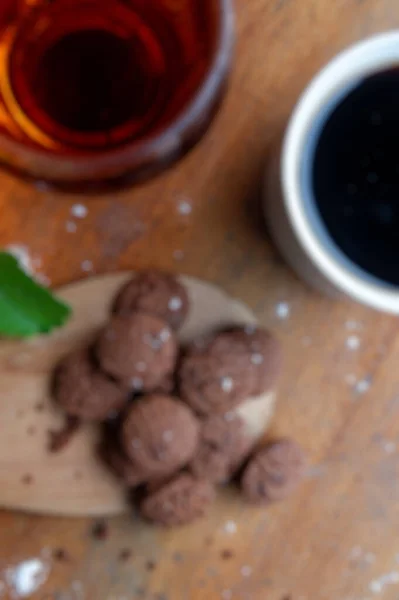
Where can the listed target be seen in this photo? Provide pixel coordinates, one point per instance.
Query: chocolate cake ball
(224, 445)
(179, 502)
(273, 472)
(139, 350)
(265, 354)
(83, 391)
(215, 378)
(120, 465)
(155, 293)
(220, 373)
(160, 435)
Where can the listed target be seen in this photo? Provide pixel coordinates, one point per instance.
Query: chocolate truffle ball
(265, 355)
(273, 472)
(140, 350)
(120, 465)
(156, 293)
(160, 435)
(179, 502)
(224, 445)
(83, 391)
(216, 378)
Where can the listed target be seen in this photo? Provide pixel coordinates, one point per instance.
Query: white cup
(294, 221)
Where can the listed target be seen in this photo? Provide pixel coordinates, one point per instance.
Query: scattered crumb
(227, 384)
(362, 386)
(257, 359)
(39, 407)
(26, 578)
(227, 554)
(125, 554)
(79, 211)
(389, 446)
(100, 530)
(246, 571)
(178, 255)
(31, 430)
(175, 303)
(140, 592)
(184, 207)
(70, 227)
(58, 440)
(353, 342)
(87, 266)
(27, 479)
(377, 585)
(358, 555)
(230, 527)
(61, 555)
(151, 565)
(282, 310)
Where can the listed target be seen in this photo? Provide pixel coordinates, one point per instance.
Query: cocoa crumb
(58, 440)
(151, 565)
(100, 530)
(31, 430)
(39, 407)
(227, 554)
(61, 555)
(27, 479)
(125, 554)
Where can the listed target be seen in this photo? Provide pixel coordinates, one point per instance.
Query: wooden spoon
(73, 482)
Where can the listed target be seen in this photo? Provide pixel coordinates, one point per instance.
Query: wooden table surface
(336, 539)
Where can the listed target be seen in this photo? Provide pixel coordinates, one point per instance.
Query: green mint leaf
(26, 308)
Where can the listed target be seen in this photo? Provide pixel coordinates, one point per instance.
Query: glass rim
(40, 164)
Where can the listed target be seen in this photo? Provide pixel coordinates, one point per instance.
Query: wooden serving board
(73, 482)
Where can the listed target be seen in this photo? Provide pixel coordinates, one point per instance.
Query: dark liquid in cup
(91, 75)
(355, 174)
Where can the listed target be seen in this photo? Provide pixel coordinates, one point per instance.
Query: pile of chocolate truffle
(169, 426)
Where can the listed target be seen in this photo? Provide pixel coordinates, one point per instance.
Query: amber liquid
(84, 76)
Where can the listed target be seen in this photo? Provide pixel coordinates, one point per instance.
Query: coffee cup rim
(350, 66)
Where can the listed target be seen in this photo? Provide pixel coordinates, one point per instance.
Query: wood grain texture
(73, 482)
(337, 536)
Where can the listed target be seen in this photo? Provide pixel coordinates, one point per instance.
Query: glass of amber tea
(95, 93)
